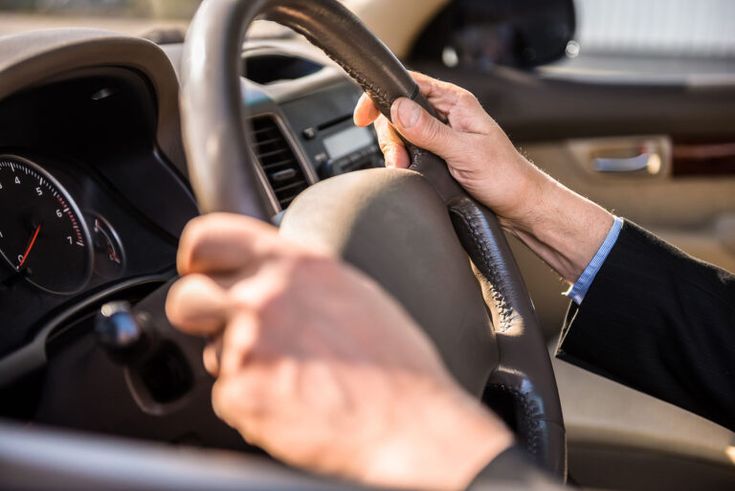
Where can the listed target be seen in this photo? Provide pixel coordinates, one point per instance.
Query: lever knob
(117, 329)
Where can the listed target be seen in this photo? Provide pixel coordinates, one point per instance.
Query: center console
(332, 143)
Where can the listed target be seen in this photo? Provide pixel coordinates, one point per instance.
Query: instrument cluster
(65, 234)
(46, 239)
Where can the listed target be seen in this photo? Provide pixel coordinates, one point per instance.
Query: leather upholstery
(221, 169)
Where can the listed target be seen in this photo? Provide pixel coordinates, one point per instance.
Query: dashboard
(300, 105)
(94, 195)
(87, 202)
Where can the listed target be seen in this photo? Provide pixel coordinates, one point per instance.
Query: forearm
(561, 227)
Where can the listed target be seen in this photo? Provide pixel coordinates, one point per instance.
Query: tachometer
(42, 233)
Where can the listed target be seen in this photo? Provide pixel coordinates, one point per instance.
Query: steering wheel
(411, 230)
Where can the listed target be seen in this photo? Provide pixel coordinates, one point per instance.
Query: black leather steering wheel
(501, 353)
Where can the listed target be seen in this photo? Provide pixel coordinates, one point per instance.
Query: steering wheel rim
(223, 175)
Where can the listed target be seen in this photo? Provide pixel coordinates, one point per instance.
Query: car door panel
(532, 106)
(693, 213)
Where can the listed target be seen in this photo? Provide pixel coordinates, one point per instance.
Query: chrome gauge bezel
(75, 210)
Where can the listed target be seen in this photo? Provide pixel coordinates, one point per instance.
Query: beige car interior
(617, 437)
(694, 212)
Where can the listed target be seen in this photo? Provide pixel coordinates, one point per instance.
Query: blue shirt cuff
(580, 288)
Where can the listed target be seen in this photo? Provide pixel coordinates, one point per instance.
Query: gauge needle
(30, 247)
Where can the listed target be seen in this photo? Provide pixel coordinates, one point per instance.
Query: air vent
(271, 68)
(278, 160)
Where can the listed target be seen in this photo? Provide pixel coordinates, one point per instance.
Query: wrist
(563, 228)
(537, 192)
(443, 444)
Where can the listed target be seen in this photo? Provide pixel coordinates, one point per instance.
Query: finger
(236, 401)
(225, 402)
(391, 144)
(365, 111)
(241, 396)
(254, 399)
(239, 340)
(422, 129)
(197, 305)
(443, 96)
(223, 243)
(212, 355)
(455, 105)
(430, 85)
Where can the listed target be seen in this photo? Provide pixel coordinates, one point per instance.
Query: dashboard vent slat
(277, 159)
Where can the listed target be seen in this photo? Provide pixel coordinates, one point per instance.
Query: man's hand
(561, 227)
(316, 364)
(477, 151)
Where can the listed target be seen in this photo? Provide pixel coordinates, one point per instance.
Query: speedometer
(42, 233)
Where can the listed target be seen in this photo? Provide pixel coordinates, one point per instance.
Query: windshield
(132, 9)
(135, 17)
(140, 9)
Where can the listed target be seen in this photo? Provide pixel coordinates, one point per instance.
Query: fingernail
(408, 112)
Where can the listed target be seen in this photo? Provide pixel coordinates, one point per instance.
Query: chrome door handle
(648, 161)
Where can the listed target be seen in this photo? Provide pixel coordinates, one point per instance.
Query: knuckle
(384, 146)
(380, 124)
(386, 132)
(388, 147)
(467, 98)
(303, 269)
(222, 400)
(191, 235)
(174, 303)
(195, 241)
(210, 359)
(264, 297)
(432, 130)
(241, 341)
(270, 296)
(197, 227)
(272, 301)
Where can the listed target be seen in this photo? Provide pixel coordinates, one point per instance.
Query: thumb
(420, 128)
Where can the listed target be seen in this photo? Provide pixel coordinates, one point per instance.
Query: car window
(641, 39)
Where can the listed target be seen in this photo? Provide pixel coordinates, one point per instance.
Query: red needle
(30, 247)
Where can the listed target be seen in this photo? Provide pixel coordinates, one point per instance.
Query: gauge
(109, 254)
(42, 233)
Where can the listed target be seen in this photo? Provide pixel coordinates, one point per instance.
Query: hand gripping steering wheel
(411, 230)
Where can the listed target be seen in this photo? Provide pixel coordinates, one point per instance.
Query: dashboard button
(310, 133)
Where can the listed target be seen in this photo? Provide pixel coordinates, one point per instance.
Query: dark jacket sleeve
(659, 321)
